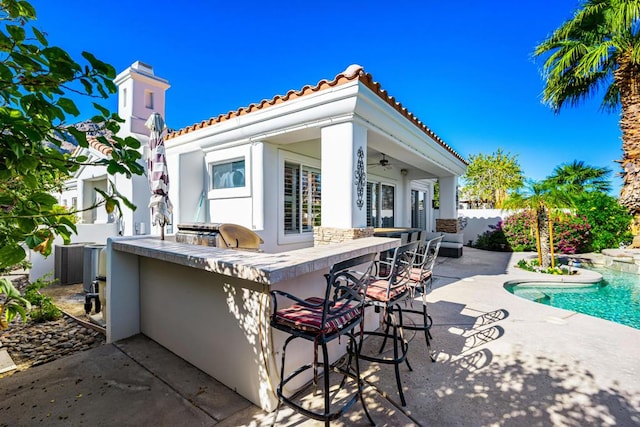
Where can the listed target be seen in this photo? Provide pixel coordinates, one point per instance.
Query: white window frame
(225, 156)
(286, 156)
(379, 182)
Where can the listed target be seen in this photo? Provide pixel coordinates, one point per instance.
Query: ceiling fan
(383, 162)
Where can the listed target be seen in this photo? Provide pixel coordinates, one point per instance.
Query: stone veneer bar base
(448, 225)
(329, 235)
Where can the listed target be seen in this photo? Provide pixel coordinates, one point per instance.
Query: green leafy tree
(35, 80)
(546, 203)
(596, 51)
(610, 222)
(579, 178)
(490, 178)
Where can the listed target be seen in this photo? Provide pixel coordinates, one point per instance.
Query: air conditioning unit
(69, 263)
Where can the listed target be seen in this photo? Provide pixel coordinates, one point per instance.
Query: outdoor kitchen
(210, 304)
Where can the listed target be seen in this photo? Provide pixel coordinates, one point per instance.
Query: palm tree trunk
(543, 226)
(553, 257)
(538, 240)
(627, 77)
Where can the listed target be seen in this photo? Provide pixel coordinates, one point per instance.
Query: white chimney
(140, 93)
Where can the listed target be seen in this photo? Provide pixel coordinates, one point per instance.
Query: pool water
(616, 298)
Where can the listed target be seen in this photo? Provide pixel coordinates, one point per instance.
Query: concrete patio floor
(501, 360)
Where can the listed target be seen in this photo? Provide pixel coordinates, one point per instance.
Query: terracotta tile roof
(99, 146)
(67, 142)
(353, 72)
(96, 145)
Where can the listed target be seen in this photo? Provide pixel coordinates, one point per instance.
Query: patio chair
(420, 283)
(321, 320)
(387, 289)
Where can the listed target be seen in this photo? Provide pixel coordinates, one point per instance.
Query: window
(229, 172)
(148, 99)
(228, 175)
(387, 199)
(380, 205)
(418, 209)
(302, 197)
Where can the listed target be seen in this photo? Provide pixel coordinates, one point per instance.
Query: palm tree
(545, 201)
(579, 178)
(596, 51)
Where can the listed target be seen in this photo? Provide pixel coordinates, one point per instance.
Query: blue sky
(464, 68)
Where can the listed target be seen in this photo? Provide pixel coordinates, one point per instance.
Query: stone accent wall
(328, 235)
(448, 225)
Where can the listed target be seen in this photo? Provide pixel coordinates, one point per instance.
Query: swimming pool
(616, 298)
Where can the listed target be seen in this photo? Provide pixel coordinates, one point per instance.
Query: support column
(448, 221)
(344, 184)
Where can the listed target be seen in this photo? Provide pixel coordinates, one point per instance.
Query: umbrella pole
(162, 231)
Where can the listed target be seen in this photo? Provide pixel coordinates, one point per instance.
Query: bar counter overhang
(211, 306)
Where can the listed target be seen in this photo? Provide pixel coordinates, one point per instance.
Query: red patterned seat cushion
(377, 290)
(310, 318)
(417, 275)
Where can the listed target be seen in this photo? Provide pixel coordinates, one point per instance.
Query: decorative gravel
(32, 344)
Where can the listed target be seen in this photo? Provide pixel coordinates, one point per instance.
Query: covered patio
(328, 162)
(501, 360)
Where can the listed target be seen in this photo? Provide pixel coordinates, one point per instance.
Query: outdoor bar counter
(211, 306)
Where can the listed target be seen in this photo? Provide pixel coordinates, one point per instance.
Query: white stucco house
(338, 156)
(140, 93)
(331, 162)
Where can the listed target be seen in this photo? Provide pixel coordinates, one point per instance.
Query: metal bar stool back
(321, 320)
(387, 289)
(420, 283)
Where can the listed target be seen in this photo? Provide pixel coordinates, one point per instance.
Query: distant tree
(490, 178)
(579, 178)
(596, 51)
(35, 79)
(545, 202)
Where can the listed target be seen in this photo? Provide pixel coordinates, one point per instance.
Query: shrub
(533, 265)
(42, 307)
(609, 220)
(493, 239)
(519, 231)
(12, 304)
(571, 233)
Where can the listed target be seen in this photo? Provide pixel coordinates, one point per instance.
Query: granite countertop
(260, 267)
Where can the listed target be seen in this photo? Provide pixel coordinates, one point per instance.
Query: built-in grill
(222, 235)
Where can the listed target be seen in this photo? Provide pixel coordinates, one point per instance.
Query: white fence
(476, 221)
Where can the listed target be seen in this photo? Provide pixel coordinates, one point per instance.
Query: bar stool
(386, 290)
(321, 320)
(421, 280)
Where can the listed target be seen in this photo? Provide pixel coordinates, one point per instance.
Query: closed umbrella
(158, 175)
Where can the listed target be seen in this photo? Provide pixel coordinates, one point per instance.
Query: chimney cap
(141, 67)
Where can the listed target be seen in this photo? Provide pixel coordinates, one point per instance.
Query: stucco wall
(477, 221)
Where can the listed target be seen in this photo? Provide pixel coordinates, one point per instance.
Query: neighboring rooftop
(93, 130)
(353, 72)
